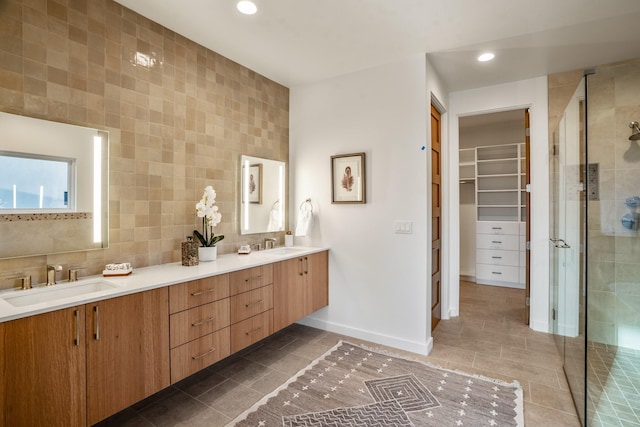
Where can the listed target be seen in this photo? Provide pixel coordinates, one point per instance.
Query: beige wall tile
(173, 129)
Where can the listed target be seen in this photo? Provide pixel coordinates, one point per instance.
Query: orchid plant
(208, 211)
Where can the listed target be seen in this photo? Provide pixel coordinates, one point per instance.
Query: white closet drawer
(505, 242)
(523, 229)
(489, 227)
(497, 273)
(523, 275)
(497, 257)
(523, 258)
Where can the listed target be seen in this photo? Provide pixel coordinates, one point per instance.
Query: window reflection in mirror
(262, 198)
(30, 182)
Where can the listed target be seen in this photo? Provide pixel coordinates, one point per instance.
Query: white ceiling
(295, 42)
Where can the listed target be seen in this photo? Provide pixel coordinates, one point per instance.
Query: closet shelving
(499, 175)
(498, 183)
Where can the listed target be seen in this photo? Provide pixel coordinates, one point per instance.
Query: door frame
(532, 94)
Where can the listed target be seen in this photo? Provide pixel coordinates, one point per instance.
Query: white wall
(521, 94)
(378, 280)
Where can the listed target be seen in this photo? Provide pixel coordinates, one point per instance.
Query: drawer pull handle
(496, 228)
(253, 278)
(496, 257)
(496, 242)
(96, 319)
(249, 304)
(496, 272)
(200, 356)
(202, 322)
(197, 294)
(76, 340)
(254, 331)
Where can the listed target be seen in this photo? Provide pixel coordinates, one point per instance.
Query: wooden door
(436, 217)
(318, 278)
(288, 292)
(527, 162)
(43, 370)
(127, 351)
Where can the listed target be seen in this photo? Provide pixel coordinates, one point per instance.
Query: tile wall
(174, 127)
(614, 251)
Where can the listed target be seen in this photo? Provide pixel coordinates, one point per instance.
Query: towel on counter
(305, 217)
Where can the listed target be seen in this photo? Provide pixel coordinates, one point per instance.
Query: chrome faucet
(51, 273)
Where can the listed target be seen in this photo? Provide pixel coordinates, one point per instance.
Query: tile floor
(613, 386)
(489, 338)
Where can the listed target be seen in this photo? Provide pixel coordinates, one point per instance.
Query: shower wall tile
(601, 276)
(605, 309)
(174, 128)
(614, 101)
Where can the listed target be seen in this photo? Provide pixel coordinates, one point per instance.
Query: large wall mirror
(262, 198)
(53, 187)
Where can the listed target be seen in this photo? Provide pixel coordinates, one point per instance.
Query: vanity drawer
(488, 227)
(190, 324)
(497, 273)
(497, 257)
(251, 330)
(250, 303)
(250, 278)
(196, 355)
(504, 242)
(198, 292)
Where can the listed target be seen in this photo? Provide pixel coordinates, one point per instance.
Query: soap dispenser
(190, 252)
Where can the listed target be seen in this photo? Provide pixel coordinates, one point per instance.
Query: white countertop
(143, 279)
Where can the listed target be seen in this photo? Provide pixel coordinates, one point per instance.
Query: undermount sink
(56, 292)
(284, 251)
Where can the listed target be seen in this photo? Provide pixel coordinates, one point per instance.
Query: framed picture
(348, 178)
(254, 183)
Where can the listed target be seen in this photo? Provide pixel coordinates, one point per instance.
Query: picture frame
(348, 178)
(255, 183)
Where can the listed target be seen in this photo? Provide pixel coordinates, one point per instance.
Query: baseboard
(468, 278)
(539, 326)
(407, 345)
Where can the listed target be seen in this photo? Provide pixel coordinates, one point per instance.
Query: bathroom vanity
(76, 360)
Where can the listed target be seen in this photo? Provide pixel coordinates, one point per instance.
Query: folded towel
(305, 217)
(274, 218)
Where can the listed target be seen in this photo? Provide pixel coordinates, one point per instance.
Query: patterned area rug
(355, 386)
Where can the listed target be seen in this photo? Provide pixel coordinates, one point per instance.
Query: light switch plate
(403, 227)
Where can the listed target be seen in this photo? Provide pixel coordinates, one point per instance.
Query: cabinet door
(43, 370)
(318, 277)
(288, 292)
(127, 351)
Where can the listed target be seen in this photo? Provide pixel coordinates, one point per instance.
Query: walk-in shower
(595, 208)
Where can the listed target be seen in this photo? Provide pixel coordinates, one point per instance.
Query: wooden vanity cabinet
(300, 288)
(199, 324)
(127, 351)
(42, 360)
(251, 304)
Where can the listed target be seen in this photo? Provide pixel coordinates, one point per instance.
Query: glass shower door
(567, 243)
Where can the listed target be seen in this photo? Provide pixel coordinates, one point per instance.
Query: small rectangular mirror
(262, 195)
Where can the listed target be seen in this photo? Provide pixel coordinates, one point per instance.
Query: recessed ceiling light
(247, 7)
(486, 57)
